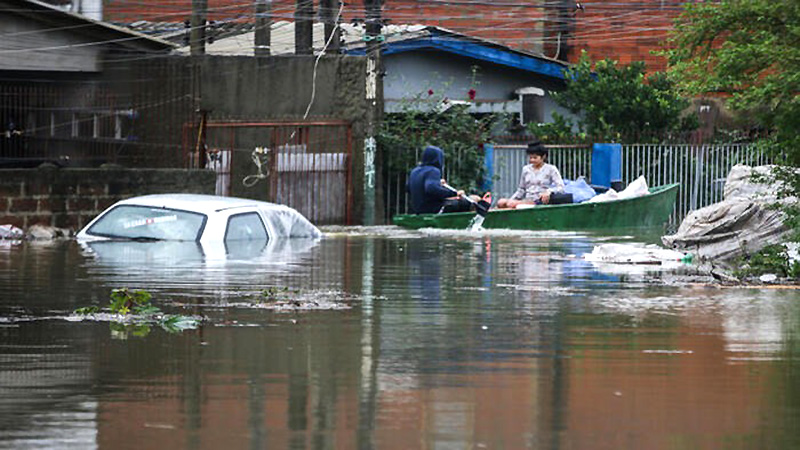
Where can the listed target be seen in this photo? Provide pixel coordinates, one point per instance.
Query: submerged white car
(194, 217)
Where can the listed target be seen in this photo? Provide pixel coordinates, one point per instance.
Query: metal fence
(87, 123)
(700, 169)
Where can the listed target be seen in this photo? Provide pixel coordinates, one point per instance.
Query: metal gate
(305, 165)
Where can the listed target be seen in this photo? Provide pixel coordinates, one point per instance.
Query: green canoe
(649, 211)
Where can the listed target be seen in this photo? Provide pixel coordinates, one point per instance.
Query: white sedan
(194, 217)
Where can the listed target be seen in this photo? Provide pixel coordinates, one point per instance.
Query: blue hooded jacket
(425, 183)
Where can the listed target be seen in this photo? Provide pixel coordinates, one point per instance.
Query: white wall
(410, 74)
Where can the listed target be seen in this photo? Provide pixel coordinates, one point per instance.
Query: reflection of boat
(648, 211)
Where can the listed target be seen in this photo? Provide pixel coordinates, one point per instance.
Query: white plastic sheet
(634, 254)
(742, 223)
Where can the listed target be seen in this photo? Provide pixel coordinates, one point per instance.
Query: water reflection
(462, 340)
(183, 268)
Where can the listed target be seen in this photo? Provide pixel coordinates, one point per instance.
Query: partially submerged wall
(70, 198)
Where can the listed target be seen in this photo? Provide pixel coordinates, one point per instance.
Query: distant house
(54, 100)
(423, 61)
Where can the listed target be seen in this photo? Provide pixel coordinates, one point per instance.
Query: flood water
(382, 338)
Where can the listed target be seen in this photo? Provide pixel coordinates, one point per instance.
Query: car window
(245, 227)
(143, 222)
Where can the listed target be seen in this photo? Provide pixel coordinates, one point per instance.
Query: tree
(617, 102)
(750, 50)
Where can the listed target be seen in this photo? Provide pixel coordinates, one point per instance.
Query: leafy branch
(136, 313)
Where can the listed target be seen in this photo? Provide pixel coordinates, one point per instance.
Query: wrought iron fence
(700, 169)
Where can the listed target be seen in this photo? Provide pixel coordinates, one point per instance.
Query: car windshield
(146, 223)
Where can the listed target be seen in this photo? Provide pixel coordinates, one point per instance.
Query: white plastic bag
(580, 190)
(606, 196)
(637, 188)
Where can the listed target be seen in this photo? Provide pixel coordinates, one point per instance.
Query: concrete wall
(23, 39)
(279, 89)
(70, 198)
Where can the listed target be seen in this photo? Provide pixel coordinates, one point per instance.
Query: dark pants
(452, 205)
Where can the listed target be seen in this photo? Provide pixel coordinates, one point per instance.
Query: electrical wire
(600, 25)
(251, 180)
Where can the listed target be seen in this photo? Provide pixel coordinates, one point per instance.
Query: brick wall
(623, 30)
(518, 26)
(70, 198)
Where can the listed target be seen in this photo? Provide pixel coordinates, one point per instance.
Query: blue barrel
(606, 164)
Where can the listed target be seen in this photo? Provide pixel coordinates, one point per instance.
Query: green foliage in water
(771, 259)
(273, 293)
(86, 310)
(137, 313)
(123, 301)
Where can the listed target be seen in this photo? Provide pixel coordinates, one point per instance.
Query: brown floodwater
(382, 338)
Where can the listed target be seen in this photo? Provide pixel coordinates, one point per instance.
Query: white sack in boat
(740, 224)
(637, 188)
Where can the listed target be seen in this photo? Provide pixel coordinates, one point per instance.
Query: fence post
(698, 172)
(488, 163)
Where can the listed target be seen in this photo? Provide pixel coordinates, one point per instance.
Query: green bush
(771, 259)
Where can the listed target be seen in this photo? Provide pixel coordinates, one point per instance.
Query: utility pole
(374, 85)
(263, 27)
(303, 27)
(197, 34)
(329, 13)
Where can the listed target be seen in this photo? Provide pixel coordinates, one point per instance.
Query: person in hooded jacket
(426, 189)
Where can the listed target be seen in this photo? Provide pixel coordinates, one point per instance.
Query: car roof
(197, 202)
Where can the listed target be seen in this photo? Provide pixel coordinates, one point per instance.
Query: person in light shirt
(538, 181)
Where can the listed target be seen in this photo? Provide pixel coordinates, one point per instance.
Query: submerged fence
(700, 169)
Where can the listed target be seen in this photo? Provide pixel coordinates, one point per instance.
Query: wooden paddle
(479, 208)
